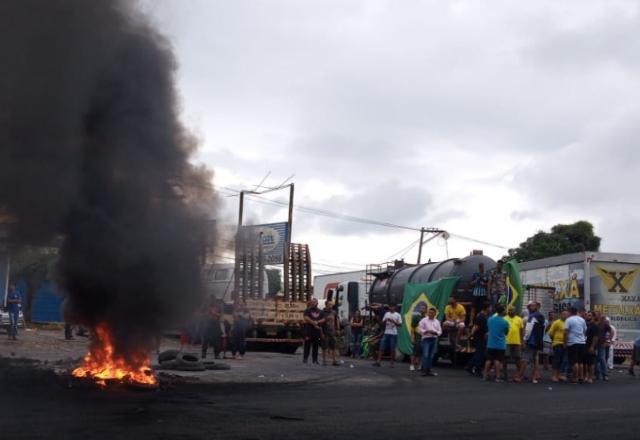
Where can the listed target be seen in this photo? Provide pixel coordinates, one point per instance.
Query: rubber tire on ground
(189, 362)
(183, 362)
(211, 365)
(168, 355)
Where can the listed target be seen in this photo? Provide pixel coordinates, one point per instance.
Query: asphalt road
(38, 404)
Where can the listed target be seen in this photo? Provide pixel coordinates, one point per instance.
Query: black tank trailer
(389, 282)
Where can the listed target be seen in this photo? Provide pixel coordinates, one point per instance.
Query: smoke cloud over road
(92, 152)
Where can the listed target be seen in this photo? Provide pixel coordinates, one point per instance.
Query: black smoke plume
(92, 153)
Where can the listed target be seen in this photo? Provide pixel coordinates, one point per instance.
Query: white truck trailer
(347, 289)
(604, 282)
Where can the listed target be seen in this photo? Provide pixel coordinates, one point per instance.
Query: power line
(323, 212)
(345, 217)
(462, 237)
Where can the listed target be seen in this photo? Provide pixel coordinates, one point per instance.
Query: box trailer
(597, 281)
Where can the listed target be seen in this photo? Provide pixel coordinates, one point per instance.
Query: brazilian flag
(435, 294)
(515, 292)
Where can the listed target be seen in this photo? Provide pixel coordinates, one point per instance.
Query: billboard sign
(615, 292)
(274, 240)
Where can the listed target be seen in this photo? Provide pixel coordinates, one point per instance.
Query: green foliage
(563, 239)
(275, 282)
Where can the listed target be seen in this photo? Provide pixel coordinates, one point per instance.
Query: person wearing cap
(534, 341)
(514, 342)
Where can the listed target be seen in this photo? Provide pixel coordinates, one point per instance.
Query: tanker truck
(389, 280)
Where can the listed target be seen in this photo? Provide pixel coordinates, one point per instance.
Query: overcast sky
(490, 119)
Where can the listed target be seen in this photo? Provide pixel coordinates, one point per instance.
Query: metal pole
(239, 244)
(420, 247)
(288, 244)
(260, 267)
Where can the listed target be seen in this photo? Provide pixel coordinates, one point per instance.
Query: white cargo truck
(347, 289)
(605, 282)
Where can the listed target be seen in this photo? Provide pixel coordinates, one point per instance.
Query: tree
(563, 239)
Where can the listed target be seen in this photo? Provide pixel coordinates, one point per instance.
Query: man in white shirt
(430, 329)
(391, 321)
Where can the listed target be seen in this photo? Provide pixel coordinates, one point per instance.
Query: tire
(180, 361)
(168, 355)
(211, 365)
(189, 362)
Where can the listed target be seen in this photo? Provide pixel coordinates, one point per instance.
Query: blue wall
(46, 304)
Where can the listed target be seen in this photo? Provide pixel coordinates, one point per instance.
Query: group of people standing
(321, 328)
(216, 332)
(579, 340)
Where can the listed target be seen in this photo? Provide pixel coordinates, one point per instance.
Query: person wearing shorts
(534, 341)
(556, 333)
(496, 343)
(591, 347)
(391, 321)
(514, 342)
(330, 328)
(455, 315)
(575, 329)
(496, 355)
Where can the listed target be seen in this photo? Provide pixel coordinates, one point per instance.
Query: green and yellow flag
(435, 294)
(515, 292)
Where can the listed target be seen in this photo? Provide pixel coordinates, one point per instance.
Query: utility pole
(437, 233)
(420, 247)
(287, 247)
(239, 244)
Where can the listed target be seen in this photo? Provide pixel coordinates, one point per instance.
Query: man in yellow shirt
(455, 315)
(514, 341)
(556, 332)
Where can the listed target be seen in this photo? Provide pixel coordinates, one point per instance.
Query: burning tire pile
(90, 130)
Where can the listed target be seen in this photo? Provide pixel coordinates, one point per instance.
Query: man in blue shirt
(13, 307)
(534, 337)
(496, 343)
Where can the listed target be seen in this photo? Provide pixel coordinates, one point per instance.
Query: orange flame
(102, 363)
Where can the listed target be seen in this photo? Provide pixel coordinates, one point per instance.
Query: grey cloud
(595, 44)
(355, 91)
(388, 201)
